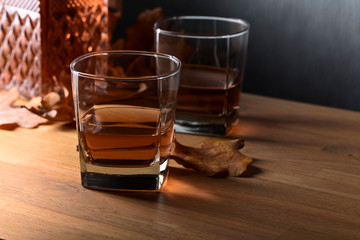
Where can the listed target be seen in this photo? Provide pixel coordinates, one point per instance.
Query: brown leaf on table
(213, 158)
(54, 106)
(15, 115)
(140, 36)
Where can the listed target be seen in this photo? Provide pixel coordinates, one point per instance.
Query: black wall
(304, 50)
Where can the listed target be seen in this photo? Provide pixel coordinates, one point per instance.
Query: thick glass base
(186, 123)
(150, 178)
(123, 182)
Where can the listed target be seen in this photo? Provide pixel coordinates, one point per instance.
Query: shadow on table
(287, 130)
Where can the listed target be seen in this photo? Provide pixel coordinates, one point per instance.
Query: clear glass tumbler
(125, 107)
(212, 51)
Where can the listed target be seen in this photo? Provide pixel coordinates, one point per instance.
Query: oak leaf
(140, 36)
(11, 114)
(55, 106)
(213, 158)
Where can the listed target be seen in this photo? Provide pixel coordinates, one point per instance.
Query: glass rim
(126, 53)
(202, 36)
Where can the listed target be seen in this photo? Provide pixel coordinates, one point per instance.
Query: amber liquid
(40, 38)
(125, 136)
(207, 91)
(208, 99)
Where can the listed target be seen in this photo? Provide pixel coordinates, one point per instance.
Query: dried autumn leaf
(140, 36)
(54, 106)
(214, 158)
(15, 115)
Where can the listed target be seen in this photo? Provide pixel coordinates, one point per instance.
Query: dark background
(304, 50)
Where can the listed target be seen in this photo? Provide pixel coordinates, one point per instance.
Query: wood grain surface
(304, 183)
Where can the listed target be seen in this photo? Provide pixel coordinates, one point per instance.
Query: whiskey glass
(212, 51)
(125, 107)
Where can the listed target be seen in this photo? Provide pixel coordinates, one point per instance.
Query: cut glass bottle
(39, 39)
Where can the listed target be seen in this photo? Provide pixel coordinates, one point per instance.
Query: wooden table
(304, 184)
